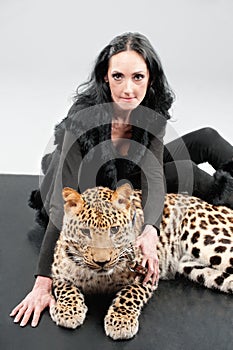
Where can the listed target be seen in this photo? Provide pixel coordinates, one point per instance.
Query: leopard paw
(68, 317)
(118, 326)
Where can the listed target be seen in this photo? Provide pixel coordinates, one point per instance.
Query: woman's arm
(41, 295)
(153, 190)
(153, 203)
(67, 176)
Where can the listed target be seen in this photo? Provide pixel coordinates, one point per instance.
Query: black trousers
(182, 156)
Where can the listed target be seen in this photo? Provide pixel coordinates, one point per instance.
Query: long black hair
(159, 96)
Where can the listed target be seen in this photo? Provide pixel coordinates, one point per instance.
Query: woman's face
(128, 78)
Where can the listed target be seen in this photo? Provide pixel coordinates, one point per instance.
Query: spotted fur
(95, 253)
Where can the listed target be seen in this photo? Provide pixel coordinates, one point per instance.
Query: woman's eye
(114, 229)
(138, 77)
(117, 76)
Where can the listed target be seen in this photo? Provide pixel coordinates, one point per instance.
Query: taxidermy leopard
(96, 253)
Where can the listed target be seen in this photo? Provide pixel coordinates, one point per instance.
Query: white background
(48, 48)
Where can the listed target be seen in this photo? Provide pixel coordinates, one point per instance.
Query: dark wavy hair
(159, 96)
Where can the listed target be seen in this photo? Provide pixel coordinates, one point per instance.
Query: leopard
(96, 253)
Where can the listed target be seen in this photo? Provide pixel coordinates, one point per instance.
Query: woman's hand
(35, 302)
(147, 241)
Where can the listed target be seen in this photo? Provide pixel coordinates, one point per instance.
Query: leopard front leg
(121, 321)
(70, 309)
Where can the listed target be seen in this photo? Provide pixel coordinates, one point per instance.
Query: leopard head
(99, 226)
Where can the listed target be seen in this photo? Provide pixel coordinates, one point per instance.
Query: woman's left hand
(147, 242)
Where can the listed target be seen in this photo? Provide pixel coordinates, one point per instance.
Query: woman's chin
(127, 105)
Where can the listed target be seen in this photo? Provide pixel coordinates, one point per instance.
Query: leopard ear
(121, 197)
(73, 200)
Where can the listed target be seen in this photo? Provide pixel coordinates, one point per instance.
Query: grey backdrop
(48, 48)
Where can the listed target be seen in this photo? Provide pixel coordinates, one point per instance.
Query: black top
(75, 167)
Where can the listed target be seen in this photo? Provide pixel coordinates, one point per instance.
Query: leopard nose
(101, 263)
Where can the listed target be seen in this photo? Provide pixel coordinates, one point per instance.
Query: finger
(38, 310)
(144, 262)
(153, 270)
(156, 275)
(27, 315)
(20, 313)
(147, 278)
(52, 301)
(150, 271)
(155, 278)
(16, 309)
(36, 316)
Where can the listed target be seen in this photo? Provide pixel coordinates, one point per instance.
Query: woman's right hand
(35, 302)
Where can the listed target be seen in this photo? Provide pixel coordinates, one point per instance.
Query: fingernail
(33, 324)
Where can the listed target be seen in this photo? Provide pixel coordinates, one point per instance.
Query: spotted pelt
(96, 253)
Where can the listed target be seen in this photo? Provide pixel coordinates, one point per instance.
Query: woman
(114, 132)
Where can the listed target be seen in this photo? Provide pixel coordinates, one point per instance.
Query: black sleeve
(153, 182)
(66, 176)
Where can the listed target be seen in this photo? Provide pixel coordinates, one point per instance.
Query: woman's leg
(200, 146)
(182, 174)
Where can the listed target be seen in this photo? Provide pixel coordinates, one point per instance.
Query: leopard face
(99, 230)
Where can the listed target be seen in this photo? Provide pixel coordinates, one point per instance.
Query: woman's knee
(207, 133)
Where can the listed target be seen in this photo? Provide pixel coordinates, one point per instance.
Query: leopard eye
(114, 229)
(85, 231)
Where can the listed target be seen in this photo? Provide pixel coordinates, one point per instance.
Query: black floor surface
(181, 315)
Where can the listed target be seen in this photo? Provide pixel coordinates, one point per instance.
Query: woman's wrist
(150, 228)
(43, 282)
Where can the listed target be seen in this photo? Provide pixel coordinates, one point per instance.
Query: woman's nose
(128, 86)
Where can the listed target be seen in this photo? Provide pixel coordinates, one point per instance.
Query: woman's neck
(121, 130)
(121, 116)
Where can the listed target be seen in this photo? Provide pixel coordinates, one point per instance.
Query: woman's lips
(127, 99)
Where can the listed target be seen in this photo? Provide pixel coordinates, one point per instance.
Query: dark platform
(181, 315)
